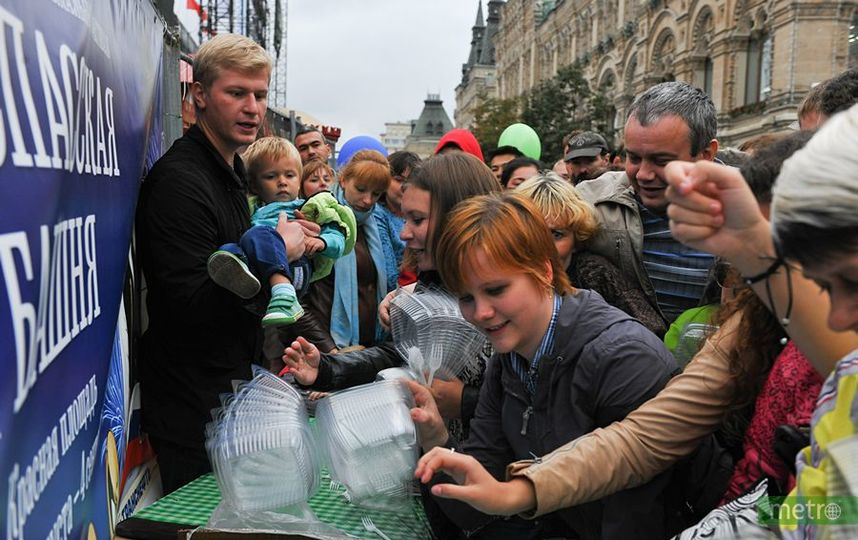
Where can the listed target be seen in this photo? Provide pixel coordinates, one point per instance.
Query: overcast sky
(357, 65)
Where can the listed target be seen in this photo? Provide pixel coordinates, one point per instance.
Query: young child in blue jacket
(274, 172)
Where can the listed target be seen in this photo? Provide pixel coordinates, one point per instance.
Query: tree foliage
(565, 103)
(491, 117)
(553, 108)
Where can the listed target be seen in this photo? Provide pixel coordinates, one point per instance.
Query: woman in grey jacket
(566, 363)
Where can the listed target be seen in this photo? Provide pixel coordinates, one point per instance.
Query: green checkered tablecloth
(195, 502)
(192, 504)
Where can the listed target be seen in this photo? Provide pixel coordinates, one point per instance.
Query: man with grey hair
(670, 121)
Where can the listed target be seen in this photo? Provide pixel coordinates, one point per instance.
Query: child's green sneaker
(284, 308)
(230, 272)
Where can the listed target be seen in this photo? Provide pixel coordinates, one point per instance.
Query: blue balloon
(355, 145)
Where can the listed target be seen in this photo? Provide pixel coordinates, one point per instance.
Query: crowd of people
(659, 344)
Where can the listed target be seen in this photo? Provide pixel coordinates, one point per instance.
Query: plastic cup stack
(261, 447)
(431, 335)
(371, 443)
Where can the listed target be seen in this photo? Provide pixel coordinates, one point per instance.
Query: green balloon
(523, 137)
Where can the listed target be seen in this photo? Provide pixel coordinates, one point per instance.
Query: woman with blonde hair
(572, 221)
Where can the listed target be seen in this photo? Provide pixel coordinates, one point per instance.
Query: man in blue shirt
(669, 121)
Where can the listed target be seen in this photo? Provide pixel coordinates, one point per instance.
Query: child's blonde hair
(266, 150)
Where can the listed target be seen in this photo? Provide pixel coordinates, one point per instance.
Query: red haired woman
(565, 363)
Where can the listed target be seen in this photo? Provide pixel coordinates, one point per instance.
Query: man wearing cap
(670, 121)
(586, 157)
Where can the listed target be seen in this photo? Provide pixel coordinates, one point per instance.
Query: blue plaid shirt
(529, 374)
(678, 273)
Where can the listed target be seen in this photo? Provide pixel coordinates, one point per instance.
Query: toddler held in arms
(274, 172)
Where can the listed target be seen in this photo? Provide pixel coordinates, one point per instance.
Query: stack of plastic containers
(371, 443)
(261, 447)
(431, 335)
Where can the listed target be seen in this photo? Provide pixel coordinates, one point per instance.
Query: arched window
(704, 29)
(629, 80)
(607, 112)
(853, 41)
(662, 57)
(707, 76)
(767, 58)
(758, 80)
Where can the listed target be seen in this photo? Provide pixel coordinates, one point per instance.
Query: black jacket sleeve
(470, 398)
(486, 443)
(338, 371)
(620, 380)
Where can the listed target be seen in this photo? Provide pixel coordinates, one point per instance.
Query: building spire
(487, 48)
(477, 32)
(479, 22)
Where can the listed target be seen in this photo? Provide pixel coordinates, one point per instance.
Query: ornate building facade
(478, 73)
(755, 58)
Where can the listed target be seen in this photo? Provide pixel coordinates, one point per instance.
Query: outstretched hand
(474, 485)
(302, 357)
(712, 209)
(431, 431)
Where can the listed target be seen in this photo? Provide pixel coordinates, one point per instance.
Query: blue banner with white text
(79, 80)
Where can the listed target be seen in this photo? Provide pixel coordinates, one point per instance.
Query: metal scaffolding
(264, 21)
(277, 48)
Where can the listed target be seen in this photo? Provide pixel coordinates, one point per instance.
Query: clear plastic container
(370, 442)
(431, 335)
(263, 452)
